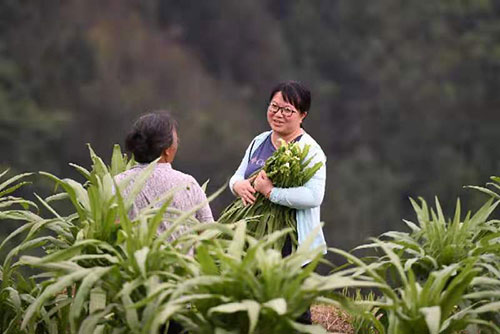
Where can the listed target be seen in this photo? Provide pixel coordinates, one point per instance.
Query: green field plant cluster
(96, 269)
(441, 277)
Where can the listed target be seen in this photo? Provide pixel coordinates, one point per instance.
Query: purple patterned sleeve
(162, 180)
(204, 214)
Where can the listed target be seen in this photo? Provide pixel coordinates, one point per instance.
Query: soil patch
(333, 319)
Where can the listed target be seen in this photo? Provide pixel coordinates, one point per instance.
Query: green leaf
(70, 252)
(141, 257)
(204, 186)
(13, 179)
(90, 324)
(311, 329)
(139, 182)
(164, 313)
(490, 307)
(98, 166)
(219, 330)
(250, 306)
(52, 290)
(84, 289)
(81, 170)
(57, 197)
(236, 246)
(206, 262)
(118, 161)
(486, 191)
(278, 305)
(97, 299)
(432, 317)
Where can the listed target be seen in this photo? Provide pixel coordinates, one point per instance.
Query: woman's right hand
(245, 191)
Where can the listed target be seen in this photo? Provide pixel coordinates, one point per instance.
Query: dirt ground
(332, 319)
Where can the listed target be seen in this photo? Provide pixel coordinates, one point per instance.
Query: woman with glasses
(289, 104)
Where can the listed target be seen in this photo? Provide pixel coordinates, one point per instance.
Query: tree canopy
(405, 94)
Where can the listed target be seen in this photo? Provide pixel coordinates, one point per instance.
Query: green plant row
(102, 271)
(97, 270)
(441, 277)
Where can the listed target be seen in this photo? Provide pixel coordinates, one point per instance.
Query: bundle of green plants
(288, 167)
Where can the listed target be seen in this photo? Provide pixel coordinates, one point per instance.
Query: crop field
(97, 270)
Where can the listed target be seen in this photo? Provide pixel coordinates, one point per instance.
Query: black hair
(150, 135)
(294, 93)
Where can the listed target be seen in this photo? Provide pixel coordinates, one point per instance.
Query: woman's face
(279, 122)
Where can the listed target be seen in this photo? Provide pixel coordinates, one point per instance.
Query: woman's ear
(304, 115)
(168, 154)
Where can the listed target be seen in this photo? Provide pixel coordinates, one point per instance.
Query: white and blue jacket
(306, 199)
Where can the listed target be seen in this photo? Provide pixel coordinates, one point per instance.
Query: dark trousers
(173, 328)
(305, 318)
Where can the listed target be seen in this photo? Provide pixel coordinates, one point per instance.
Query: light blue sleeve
(308, 196)
(240, 172)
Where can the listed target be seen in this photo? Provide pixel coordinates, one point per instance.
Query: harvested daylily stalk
(288, 167)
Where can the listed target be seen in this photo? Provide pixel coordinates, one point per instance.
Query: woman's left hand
(263, 184)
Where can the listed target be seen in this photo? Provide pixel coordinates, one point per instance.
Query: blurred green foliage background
(406, 94)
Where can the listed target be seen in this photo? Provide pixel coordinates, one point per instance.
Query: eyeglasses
(286, 111)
